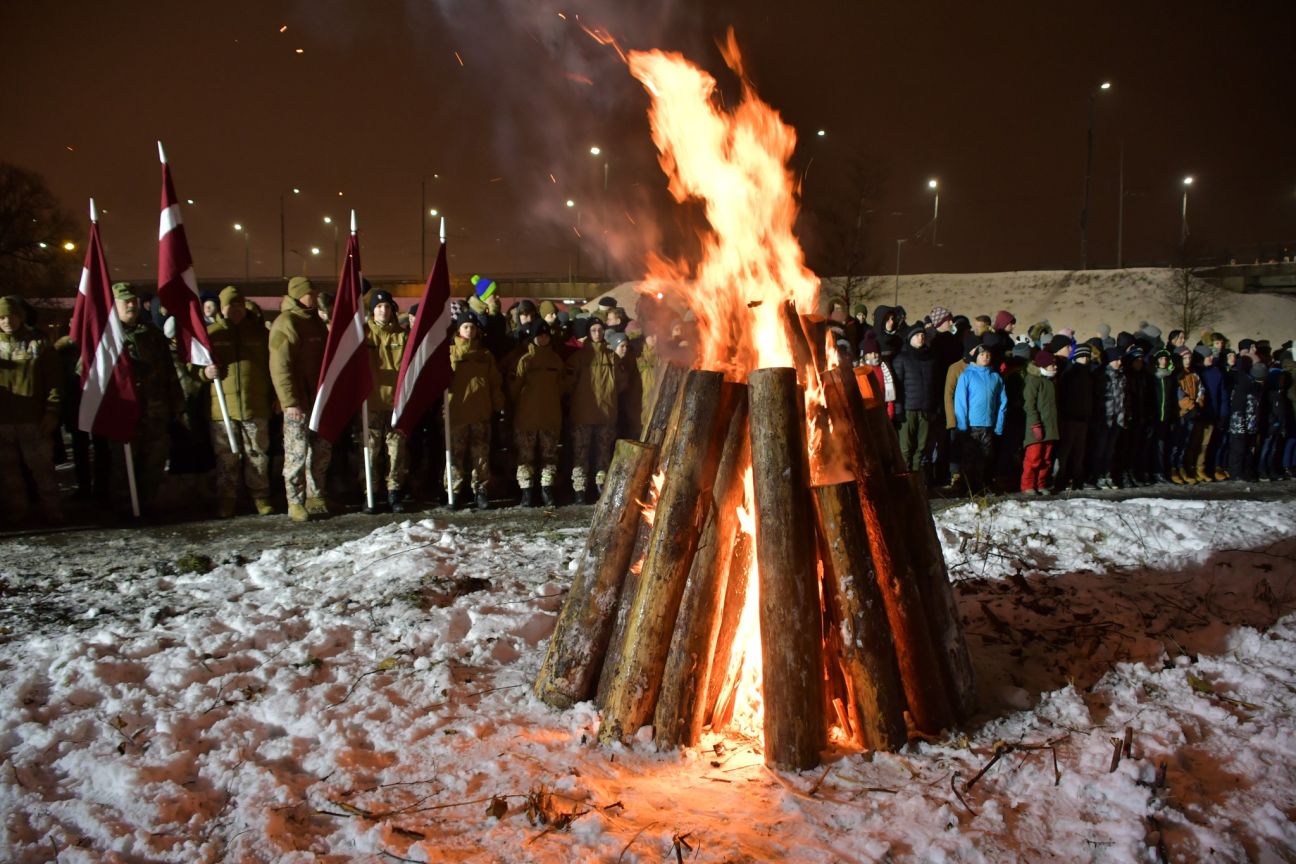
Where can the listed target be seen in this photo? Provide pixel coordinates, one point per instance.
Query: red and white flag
(109, 406)
(345, 379)
(425, 367)
(177, 284)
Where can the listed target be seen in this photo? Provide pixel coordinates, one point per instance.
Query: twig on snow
(632, 840)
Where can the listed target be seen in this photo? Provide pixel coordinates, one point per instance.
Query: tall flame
(735, 164)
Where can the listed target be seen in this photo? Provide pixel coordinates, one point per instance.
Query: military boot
(483, 503)
(263, 506)
(395, 501)
(297, 512)
(527, 498)
(316, 507)
(547, 495)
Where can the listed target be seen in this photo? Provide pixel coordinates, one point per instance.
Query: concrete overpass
(1275, 278)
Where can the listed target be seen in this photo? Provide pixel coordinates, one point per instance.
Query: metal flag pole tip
(161, 154)
(353, 222)
(443, 229)
(94, 211)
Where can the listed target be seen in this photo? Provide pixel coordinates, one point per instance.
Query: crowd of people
(539, 393)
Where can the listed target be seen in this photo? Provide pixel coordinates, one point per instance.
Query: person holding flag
(296, 354)
(29, 413)
(158, 392)
(240, 368)
(386, 343)
(476, 394)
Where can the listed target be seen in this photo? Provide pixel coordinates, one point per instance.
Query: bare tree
(33, 230)
(1192, 302)
(840, 217)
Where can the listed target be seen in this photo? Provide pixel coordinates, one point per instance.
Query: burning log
(791, 647)
(877, 428)
(703, 412)
(867, 654)
(910, 494)
(815, 328)
(580, 638)
(802, 357)
(846, 408)
(916, 655)
(720, 691)
(682, 702)
(664, 396)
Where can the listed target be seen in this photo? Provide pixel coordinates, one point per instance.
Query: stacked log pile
(857, 620)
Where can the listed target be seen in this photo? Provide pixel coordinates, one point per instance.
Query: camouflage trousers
(531, 445)
(306, 458)
(23, 444)
(150, 447)
(252, 462)
(388, 450)
(591, 443)
(470, 456)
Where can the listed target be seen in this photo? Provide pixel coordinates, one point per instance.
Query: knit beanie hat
(1043, 359)
(1021, 350)
(483, 287)
(615, 338)
(1112, 353)
(914, 331)
(1104, 330)
(580, 327)
(547, 308)
(860, 309)
(380, 297)
(229, 295)
(1058, 342)
(870, 344)
(1124, 340)
(1003, 318)
(1082, 350)
(939, 315)
(299, 287)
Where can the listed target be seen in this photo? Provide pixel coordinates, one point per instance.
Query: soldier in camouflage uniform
(595, 378)
(241, 345)
(536, 389)
(476, 393)
(386, 341)
(161, 400)
(29, 413)
(296, 355)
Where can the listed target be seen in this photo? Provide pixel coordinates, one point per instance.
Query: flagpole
(449, 462)
(130, 480)
(364, 420)
(220, 389)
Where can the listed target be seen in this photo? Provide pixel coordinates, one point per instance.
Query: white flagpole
(220, 391)
(364, 416)
(130, 480)
(449, 462)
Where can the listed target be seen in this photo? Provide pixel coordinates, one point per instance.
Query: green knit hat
(123, 291)
(299, 287)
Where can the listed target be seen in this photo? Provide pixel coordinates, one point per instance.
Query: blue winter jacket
(1218, 390)
(980, 399)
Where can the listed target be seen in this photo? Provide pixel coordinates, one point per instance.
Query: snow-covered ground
(371, 702)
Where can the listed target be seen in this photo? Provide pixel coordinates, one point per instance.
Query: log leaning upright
(790, 621)
(579, 642)
(702, 420)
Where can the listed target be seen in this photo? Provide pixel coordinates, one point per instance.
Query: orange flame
(735, 164)
(649, 509)
(746, 664)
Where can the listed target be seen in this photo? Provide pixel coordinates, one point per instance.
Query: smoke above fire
(734, 163)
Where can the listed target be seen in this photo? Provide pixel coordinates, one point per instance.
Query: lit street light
(899, 246)
(1084, 207)
(935, 187)
(328, 220)
(69, 245)
(283, 257)
(247, 256)
(1183, 218)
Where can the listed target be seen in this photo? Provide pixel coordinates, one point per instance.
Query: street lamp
(571, 205)
(1183, 218)
(247, 256)
(283, 257)
(328, 220)
(935, 187)
(598, 151)
(1084, 207)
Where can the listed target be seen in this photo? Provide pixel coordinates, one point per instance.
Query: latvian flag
(425, 367)
(108, 403)
(345, 379)
(177, 285)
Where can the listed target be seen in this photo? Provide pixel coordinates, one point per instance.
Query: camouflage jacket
(29, 377)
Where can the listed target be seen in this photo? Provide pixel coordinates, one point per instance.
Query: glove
(1038, 431)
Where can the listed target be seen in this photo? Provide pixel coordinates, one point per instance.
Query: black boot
(528, 497)
(483, 503)
(547, 496)
(376, 508)
(394, 501)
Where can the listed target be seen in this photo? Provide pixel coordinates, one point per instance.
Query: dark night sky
(990, 98)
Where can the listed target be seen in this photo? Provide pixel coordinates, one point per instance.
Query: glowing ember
(735, 163)
(649, 509)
